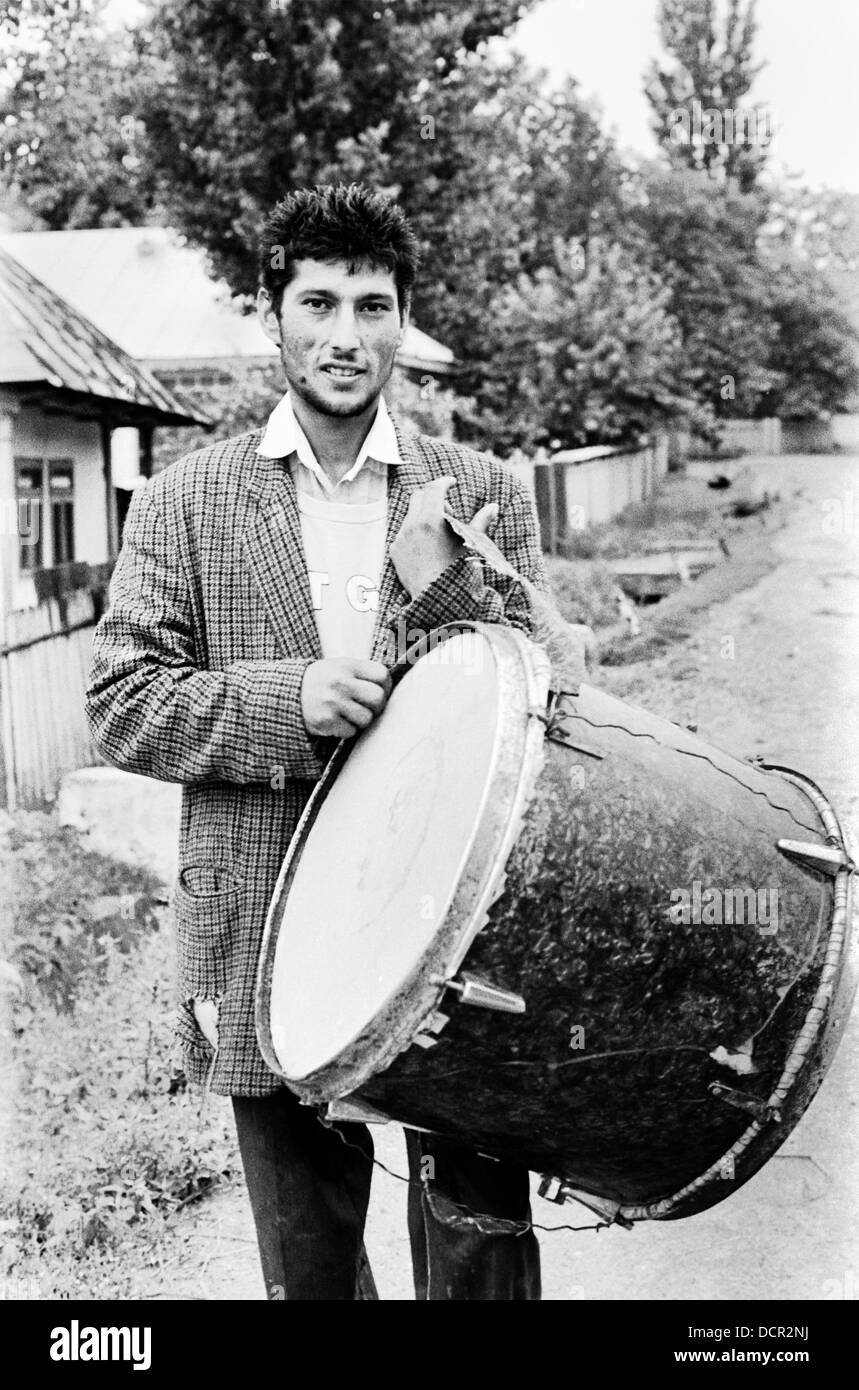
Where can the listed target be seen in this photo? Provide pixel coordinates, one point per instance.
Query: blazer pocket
(207, 902)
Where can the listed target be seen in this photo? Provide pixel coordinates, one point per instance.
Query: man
(255, 595)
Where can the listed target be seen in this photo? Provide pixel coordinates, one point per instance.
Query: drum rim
(839, 976)
(516, 760)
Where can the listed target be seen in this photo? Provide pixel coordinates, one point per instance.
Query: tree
(697, 97)
(509, 173)
(810, 243)
(586, 353)
(821, 228)
(251, 99)
(491, 170)
(70, 142)
(815, 356)
(702, 240)
(748, 263)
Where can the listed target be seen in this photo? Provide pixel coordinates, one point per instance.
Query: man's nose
(344, 335)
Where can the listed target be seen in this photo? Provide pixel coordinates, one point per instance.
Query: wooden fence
(584, 487)
(44, 665)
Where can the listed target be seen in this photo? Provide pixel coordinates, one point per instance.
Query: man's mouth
(344, 373)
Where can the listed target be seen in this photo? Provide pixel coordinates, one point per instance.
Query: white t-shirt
(344, 527)
(344, 545)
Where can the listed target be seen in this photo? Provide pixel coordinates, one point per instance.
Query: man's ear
(404, 323)
(269, 320)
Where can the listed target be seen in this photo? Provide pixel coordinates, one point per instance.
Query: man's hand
(342, 695)
(425, 544)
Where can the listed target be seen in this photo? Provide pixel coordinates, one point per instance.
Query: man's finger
(357, 715)
(428, 501)
(374, 671)
(341, 728)
(371, 696)
(483, 519)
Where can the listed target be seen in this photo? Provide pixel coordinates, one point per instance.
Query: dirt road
(773, 670)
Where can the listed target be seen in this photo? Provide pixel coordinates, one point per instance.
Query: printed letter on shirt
(318, 581)
(362, 594)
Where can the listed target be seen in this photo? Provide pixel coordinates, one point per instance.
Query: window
(46, 517)
(61, 493)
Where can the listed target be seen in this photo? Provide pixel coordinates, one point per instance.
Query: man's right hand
(342, 695)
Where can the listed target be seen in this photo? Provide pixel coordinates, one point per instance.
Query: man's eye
(374, 308)
(316, 303)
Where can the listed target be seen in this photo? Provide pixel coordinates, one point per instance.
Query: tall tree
(70, 138)
(697, 92)
(815, 355)
(585, 352)
(253, 98)
(821, 227)
(509, 172)
(490, 167)
(703, 243)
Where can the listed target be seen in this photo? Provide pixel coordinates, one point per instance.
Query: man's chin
(342, 407)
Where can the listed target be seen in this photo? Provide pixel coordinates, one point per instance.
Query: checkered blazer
(196, 678)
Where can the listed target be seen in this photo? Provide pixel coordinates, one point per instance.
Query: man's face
(338, 334)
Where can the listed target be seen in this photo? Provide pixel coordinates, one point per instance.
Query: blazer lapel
(411, 472)
(274, 553)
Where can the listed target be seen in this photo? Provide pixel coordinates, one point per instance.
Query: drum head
(385, 845)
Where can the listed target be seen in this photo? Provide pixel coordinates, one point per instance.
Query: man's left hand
(425, 545)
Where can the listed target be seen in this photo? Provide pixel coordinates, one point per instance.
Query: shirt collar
(284, 436)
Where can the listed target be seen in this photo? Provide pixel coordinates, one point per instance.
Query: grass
(584, 590)
(104, 1142)
(670, 621)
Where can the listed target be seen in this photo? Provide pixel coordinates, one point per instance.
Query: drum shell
(624, 1109)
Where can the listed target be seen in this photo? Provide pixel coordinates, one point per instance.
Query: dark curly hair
(337, 222)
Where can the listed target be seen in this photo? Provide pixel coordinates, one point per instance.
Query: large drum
(562, 931)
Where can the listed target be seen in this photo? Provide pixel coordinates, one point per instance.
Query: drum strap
(455, 1214)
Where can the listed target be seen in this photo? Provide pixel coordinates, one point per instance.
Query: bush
(108, 1142)
(584, 592)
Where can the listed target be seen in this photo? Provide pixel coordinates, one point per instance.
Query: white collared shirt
(343, 526)
(284, 436)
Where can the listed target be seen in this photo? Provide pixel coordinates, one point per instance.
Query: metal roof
(45, 342)
(154, 295)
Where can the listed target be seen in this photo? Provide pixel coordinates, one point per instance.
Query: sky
(810, 83)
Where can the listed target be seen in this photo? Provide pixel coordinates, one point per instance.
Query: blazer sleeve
(472, 590)
(153, 710)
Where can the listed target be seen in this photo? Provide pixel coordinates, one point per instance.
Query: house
(154, 296)
(65, 390)
(99, 333)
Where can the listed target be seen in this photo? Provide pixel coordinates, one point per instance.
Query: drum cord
(483, 1221)
(703, 757)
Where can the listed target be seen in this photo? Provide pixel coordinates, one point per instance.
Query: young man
(251, 606)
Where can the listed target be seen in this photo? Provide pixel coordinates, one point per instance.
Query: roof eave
(121, 412)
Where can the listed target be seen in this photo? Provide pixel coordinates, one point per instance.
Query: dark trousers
(309, 1193)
